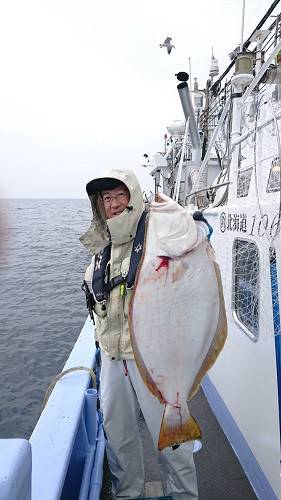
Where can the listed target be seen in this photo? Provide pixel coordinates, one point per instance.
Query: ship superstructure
(224, 159)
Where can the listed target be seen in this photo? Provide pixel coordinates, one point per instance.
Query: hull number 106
(255, 225)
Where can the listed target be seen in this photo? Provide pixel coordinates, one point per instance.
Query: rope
(62, 374)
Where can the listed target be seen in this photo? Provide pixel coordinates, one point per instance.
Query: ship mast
(242, 26)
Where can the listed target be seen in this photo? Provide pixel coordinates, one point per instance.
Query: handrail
(260, 125)
(216, 186)
(212, 141)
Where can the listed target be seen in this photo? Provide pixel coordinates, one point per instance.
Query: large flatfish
(177, 315)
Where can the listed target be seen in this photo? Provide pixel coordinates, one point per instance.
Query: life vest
(102, 284)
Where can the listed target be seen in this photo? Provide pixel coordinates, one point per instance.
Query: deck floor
(220, 475)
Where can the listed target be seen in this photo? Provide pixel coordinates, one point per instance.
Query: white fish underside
(174, 318)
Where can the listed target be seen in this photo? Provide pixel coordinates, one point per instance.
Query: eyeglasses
(120, 198)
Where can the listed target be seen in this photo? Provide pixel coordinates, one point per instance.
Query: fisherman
(115, 238)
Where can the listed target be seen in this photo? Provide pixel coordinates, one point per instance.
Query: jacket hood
(121, 228)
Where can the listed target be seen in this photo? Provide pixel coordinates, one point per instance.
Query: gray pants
(121, 396)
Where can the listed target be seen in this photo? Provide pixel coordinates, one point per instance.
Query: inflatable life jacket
(101, 283)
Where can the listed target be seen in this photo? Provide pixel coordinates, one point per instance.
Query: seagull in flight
(167, 44)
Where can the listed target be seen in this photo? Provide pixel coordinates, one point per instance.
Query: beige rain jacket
(112, 330)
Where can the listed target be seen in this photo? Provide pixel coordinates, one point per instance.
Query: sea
(42, 306)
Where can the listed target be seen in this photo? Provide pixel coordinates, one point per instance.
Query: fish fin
(217, 342)
(177, 427)
(146, 376)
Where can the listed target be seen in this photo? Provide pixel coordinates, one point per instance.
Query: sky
(85, 86)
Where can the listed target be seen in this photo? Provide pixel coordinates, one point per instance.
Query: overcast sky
(85, 86)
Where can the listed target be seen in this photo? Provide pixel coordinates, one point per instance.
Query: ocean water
(42, 306)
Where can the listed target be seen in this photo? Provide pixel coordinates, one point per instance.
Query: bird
(167, 44)
(234, 53)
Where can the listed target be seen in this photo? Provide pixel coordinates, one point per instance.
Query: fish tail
(177, 427)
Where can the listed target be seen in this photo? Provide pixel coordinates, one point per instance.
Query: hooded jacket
(112, 329)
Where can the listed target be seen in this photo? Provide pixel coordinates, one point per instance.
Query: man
(115, 238)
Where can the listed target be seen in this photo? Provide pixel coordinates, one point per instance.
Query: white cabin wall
(245, 372)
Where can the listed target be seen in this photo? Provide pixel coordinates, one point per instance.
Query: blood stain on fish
(164, 262)
(177, 406)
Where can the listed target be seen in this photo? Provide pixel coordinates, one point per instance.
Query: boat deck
(219, 472)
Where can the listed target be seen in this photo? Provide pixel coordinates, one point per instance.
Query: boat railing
(209, 189)
(264, 24)
(221, 88)
(267, 50)
(68, 437)
(64, 456)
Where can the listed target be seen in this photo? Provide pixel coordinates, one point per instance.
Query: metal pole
(242, 26)
(248, 41)
(212, 142)
(261, 72)
(178, 181)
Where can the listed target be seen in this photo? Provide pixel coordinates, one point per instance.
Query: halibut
(177, 315)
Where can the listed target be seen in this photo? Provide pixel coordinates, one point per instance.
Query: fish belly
(174, 315)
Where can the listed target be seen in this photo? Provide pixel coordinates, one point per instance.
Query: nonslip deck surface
(220, 475)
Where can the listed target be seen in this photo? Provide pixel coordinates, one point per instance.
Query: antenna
(242, 27)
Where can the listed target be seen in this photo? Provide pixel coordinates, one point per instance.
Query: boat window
(245, 288)
(244, 171)
(243, 182)
(273, 183)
